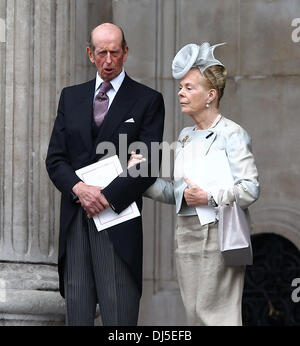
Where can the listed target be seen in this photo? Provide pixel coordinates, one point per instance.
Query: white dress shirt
(116, 83)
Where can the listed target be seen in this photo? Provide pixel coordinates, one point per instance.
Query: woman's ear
(212, 95)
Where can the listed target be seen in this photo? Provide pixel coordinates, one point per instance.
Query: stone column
(42, 49)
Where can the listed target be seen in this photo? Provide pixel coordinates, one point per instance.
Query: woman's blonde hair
(216, 77)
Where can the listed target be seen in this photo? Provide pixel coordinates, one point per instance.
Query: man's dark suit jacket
(72, 146)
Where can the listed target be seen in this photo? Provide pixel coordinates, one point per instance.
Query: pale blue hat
(193, 55)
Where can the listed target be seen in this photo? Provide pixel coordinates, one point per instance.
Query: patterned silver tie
(101, 103)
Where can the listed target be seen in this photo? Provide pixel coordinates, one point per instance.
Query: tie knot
(104, 87)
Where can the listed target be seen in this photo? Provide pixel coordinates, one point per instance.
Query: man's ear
(90, 54)
(125, 54)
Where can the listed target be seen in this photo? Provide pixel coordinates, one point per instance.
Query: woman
(211, 292)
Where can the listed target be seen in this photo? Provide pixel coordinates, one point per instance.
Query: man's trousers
(94, 273)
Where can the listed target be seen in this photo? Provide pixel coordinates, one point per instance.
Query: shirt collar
(116, 82)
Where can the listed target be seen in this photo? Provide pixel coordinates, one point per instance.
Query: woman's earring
(207, 105)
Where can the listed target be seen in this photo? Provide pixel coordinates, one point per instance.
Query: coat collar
(187, 139)
(209, 139)
(217, 125)
(208, 142)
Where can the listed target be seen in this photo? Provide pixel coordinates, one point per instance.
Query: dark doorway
(268, 288)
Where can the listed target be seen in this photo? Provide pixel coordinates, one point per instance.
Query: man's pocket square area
(131, 120)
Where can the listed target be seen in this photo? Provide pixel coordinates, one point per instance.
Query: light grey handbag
(234, 233)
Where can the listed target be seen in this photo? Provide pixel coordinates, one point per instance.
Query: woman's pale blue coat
(226, 135)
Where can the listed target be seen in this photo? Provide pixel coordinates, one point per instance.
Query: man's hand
(90, 198)
(194, 195)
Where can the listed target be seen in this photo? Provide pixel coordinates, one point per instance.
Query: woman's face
(194, 92)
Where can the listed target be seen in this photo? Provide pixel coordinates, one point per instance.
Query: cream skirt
(211, 292)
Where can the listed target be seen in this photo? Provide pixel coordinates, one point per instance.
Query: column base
(29, 295)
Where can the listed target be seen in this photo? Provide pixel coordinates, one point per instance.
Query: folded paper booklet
(102, 173)
(212, 173)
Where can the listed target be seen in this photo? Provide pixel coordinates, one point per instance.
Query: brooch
(184, 140)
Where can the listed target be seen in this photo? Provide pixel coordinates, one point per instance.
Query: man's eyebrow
(107, 50)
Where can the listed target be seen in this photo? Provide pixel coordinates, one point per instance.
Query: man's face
(108, 55)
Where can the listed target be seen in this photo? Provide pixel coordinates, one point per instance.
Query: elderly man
(102, 267)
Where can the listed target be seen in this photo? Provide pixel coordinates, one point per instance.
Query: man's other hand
(90, 198)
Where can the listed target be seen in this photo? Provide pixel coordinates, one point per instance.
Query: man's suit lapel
(118, 110)
(83, 114)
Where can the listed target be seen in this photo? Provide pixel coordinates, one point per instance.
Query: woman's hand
(135, 159)
(194, 195)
